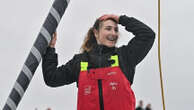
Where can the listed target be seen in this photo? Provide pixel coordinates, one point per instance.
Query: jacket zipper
(100, 83)
(100, 94)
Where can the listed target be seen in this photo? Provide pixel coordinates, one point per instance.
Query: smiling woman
(104, 32)
(108, 33)
(103, 72)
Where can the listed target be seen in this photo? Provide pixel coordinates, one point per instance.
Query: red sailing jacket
(104, 88)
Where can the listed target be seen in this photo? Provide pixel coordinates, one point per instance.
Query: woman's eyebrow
(111, 26)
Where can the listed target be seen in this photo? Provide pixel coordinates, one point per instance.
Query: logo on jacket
(87, 90)
(111, 73)
(113, 85)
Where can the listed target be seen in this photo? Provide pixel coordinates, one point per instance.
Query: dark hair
(90, 39)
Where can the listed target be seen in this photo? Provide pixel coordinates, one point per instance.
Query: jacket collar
(101, 49)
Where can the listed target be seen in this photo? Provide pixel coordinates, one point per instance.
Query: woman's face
(107, 34)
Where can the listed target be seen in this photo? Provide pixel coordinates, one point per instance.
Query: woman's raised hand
(53, 40)
(107, 16)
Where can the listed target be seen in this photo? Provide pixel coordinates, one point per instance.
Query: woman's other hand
(53, 40)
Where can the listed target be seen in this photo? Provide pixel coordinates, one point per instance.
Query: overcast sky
(20, 23)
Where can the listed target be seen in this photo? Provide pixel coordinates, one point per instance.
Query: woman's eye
(116, 30)
(108, 29)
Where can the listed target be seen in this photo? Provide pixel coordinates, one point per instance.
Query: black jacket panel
(57, 76)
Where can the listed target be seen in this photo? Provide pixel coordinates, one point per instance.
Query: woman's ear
(95, 33)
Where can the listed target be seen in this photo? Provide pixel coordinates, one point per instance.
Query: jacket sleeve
(139, 46)
(57, 76)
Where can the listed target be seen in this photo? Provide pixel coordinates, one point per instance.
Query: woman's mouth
(111, 38)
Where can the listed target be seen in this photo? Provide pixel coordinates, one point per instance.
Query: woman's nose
(114, 32)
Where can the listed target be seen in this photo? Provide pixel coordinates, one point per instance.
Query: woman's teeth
(111, 38)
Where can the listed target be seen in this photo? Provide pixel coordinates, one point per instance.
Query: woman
(103, 72)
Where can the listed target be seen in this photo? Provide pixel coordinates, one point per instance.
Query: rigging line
(159, 56)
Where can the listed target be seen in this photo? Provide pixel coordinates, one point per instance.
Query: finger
(54, 35)
(107, 16)
(103, 17)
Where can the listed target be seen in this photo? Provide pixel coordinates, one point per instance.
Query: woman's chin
(111, 45)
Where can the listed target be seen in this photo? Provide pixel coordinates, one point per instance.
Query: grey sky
(20, 23)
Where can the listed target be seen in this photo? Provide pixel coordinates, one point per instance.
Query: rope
(159, 57)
